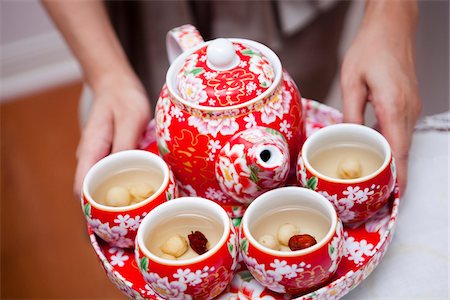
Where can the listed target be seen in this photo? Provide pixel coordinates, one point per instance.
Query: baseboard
(33, 64)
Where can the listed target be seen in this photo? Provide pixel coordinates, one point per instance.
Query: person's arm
(121, 109)
(379, 68)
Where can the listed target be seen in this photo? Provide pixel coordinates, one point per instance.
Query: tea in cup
(352, 166)
(121, 189)
(291, 240)
(187, 248)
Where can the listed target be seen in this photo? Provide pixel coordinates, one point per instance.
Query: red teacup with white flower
(352, 166)
(291, 240)
(120, 189)
(187, 248)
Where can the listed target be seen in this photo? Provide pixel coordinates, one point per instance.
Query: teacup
(202, 276)
(355, 199)
(118, 225)
(296, 271)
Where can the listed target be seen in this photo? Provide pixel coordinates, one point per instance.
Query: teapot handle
(180, 39)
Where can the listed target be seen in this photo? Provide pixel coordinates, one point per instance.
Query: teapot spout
(252, 162)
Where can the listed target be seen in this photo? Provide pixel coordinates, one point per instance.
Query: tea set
(232, 144)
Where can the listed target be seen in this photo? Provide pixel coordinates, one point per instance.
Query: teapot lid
(224, 73)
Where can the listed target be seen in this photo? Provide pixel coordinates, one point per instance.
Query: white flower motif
(210, 75)
(243, 64)
(214, 145)
(237, 47)
(224, 126)
(192, 278)
(289, 134)
(280, 266)
(176, 112)
(116, 234)
(233, 173)
(196, 277)
(293, 270)
(289, 271)
(211, 156)
(269, 278)
(163, 120)
(192, 89)
(251, 86)
(258, 92)
(148, 291)
(357, 194)
(355, 250)
(363, 195)
(366, 248)
(202, 58)
(261, 66)
(351, 192)
(170, 290)
(284, 126)
(133, 223)
(182, 275)
(250, 121)
(304, 265)
(211, 102)
(343, 206)
(214, 194)
(276, 107)
(119, 258)
(122, 220)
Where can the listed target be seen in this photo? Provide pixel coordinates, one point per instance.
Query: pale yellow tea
(346, 161)
(128, 187)
(273, 229)
(174, 232)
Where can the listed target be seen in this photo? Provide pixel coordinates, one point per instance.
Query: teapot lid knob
(221, 55)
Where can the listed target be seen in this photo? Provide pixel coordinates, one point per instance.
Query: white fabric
(416, 264)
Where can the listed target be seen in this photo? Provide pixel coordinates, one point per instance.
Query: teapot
(228, 120)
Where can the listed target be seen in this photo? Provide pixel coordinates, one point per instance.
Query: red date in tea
(198, 241)
(301, 241)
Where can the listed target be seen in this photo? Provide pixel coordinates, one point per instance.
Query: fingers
(127, 132)
(397, 124)
(397, 136)
(354, 96)
(95, 144)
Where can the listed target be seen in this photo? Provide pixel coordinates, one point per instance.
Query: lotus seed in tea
(346, 161)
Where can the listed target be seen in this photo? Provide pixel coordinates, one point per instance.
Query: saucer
(364, 247)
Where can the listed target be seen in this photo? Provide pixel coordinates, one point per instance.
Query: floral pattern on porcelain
(294, 275)
(353, 202)
(241, 172)
(201, 280)
(119, 228)
(189, 139)
(187, 36)
(243, 286)
(199, 84)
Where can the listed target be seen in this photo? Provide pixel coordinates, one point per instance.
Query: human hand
(118, 118)
(379, 68)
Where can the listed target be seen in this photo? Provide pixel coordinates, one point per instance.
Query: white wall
(33, 55)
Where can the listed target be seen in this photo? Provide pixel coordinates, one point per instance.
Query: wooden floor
(45, 250)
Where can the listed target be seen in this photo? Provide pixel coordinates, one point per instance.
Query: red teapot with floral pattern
(228, 120)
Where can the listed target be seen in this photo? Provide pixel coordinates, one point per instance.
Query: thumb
(95, 144)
